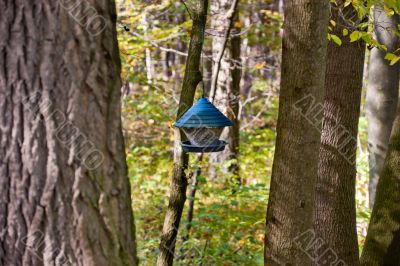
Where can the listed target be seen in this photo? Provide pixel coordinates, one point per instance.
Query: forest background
(228, 227)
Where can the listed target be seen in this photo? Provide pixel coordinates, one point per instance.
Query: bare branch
(187, 9)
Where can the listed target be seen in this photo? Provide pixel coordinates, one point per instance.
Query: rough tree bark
(179, 180)
(294, 172)
(227, 85)
(64, 192)
(382, 95)
(382, 246)
(335, 214)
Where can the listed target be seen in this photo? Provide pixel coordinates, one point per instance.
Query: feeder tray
(216, 146)
(203, 124)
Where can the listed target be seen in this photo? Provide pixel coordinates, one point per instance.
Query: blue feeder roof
(203, 114)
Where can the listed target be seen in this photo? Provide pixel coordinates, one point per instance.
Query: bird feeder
(203, 124)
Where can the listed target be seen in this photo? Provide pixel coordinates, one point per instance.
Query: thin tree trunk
(179, 181)
(382, 95)
(165, 65)
(64, 193)
(294, 173)
(280, 6)
(226, 86)
(190, 211)
(234, 98)
(335, 215)
(178, 61)
(382, 246)
(149, 62)
(192, 196)
(193, 188)
(213, 80)
(246, 62)
(207, 71)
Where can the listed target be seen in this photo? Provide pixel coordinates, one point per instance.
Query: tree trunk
(382, 95)
(228, 86)
(234, 97)
(382, 246)
(149, 61)
(335, 215)
(192, 197)
(179, 45)
(207, 70)
(179, 181)
(294, 173)
(166, 65)
(64, 193)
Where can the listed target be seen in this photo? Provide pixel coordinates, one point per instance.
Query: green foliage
(227, 218)
(335, 38)
(361, 26)
(355, 36)
(392, 58)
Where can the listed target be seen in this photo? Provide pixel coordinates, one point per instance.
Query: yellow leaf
(355, 36)
(259, 65)
(345, 32)
(389, 12)
(237, 24)
(392, 58)
(336, 39)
